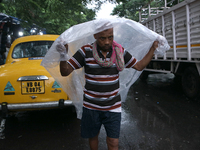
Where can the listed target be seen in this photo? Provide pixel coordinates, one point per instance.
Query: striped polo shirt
(101, 91)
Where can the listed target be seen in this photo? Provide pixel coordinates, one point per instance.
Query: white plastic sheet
(133, 36)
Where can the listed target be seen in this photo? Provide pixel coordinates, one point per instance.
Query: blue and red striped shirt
(101, 91)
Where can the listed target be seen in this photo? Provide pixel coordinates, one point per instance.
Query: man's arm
(140, 65)
(65, 68)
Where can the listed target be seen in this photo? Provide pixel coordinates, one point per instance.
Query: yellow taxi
(24, 83)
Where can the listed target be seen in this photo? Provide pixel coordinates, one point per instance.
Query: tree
(130, 8)
(54, 15)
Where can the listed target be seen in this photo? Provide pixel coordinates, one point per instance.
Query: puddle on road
(141, 129)
(160, 79)
(153, 118)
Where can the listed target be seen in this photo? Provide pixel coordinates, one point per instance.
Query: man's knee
(94, 138)
(112, 143)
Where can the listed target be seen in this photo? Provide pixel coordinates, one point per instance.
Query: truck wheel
(144, 75)
(191, 82)
(178, 81)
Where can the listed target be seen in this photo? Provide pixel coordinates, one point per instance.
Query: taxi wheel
(12, 119)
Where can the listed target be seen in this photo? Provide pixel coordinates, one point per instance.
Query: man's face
(105, 39)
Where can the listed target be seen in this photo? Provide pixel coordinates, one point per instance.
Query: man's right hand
(61, 48)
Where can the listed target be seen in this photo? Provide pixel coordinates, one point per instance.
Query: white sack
(133, 36)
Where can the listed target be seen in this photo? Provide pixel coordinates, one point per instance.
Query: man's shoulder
(87, 46)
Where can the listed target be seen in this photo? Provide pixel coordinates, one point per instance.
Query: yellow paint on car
(13, 69)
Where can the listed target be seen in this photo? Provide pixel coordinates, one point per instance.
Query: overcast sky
(105, 11)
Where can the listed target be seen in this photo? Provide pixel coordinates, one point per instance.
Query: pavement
(155, 116)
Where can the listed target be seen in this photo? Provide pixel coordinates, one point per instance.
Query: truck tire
(178, 81)
(191, 82)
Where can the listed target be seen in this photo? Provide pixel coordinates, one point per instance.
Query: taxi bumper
(41, 105)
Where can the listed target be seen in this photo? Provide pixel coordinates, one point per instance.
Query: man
(102, 62)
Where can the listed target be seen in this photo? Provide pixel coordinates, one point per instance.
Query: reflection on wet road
(156, 116)
(160, 117)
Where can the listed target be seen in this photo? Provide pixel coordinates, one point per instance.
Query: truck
(180, 25)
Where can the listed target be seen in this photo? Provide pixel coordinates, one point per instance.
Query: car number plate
(32, 87)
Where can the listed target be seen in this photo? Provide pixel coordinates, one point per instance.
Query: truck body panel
(180, 25)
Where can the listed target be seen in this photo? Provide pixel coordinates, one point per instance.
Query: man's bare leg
(112, 143)
(94, 143)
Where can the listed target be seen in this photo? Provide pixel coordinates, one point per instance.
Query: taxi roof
(51, 37)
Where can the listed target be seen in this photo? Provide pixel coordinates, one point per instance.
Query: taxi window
(31, 49)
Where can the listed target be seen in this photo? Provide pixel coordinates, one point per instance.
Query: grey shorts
(92, 121)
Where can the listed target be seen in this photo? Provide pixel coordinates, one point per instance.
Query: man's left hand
(155, 45)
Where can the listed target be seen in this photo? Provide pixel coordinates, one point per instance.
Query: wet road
(156, 116)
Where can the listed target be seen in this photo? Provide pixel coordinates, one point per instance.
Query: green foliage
(54, 15)
(58, 15)
(130, 8)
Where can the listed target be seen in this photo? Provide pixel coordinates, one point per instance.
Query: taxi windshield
(31, 49)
